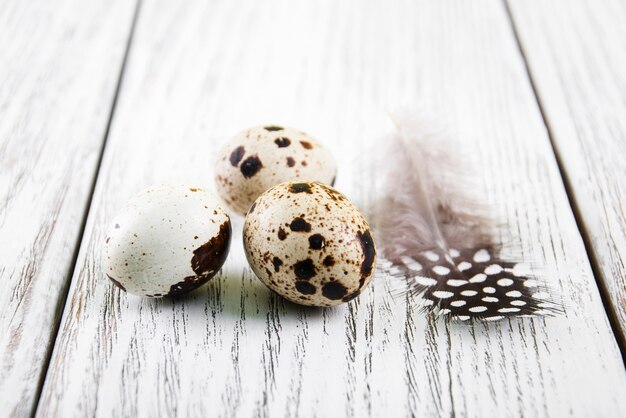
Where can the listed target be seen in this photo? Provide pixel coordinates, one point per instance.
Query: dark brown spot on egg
(277, 262)
(369, 252)
(193, 189)
(281, 234)
(250, 166)
(252, 208)
(237, 155)
(188, 284)
(329, 261)
(273, 128)
(116, 283)
(351, 296)
(316, 242)
(117, 226)
(300, 225)
(334, 290)
(306, 145)
(305, 288)
(300, 188)
(282, 142)
(210, 256)
(291, 162)
(332, 193)
(304, 269)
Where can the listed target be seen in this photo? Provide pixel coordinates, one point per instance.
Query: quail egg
(168, 240)
(261, 157)
(307, 242)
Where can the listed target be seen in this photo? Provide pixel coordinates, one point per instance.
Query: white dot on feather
(410, 263)
(489, 289)
(431, 256)
(540, 295)
(441, 270)
(428, 302)
(482, 256)
(493, 269)
(456, 282)
(542, 312)
(521, 270)
(445, 311)
(494, 318)
(514, 294)
(454, 253)
(508, 310)
(425, 281)
(479, 278)
(505, 282)
(530, 283)
(463, 317)
(478, 309)
(464, 265)
(442, 294)
(458, 303)
(469, 293)
(490, 299)
(518, 303)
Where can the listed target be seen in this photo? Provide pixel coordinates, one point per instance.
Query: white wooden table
(101, 98)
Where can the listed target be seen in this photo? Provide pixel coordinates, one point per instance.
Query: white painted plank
(577, 57)
(198, 72)
(59, 66)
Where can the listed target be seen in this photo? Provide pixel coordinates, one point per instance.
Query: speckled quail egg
(261, 157)
(168, 240)
(309, 243)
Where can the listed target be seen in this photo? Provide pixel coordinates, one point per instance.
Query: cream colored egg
(310, 244)
(261, 157)
(168, 240)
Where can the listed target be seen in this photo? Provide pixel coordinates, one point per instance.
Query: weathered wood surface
(200, 71)
(59, 66)
(576, 51)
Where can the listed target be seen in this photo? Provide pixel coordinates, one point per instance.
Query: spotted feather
(442, 242)
(475, 284)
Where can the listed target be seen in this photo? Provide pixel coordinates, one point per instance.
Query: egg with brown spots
(167, 240)
(261, 157)
(307, 242)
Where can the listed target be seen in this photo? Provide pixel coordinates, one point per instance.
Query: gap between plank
(65, 291)
(569, 190)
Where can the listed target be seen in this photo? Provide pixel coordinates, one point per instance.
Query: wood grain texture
(59, 66)
(577, 56)
(199, 72)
